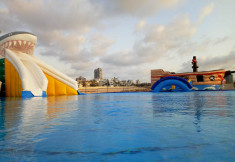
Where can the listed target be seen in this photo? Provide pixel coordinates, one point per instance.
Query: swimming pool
(190, 126)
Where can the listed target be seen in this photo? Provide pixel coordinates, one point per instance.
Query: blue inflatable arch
(169, 81)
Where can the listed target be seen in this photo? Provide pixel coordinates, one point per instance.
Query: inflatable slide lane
(22, 74)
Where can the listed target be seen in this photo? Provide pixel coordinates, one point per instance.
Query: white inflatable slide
(26, 75)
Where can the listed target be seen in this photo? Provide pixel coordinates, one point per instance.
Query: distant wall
(113, 89)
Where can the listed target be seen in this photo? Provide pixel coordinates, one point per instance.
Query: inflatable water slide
(172, 84)
(23, 74)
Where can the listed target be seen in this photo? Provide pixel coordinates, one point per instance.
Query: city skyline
(98, 75)
(126, 38)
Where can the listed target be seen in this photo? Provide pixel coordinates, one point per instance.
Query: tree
(94, 83)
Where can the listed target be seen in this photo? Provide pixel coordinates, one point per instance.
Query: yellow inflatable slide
(22, 74)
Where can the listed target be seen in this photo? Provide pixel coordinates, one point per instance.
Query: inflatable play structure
(22, 74)
(171, 83)
(220, 79)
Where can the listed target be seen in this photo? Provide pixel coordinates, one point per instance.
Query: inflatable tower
(22, 74)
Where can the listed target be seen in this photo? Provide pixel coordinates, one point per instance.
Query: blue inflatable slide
(171, 83)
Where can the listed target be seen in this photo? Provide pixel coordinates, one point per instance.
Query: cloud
(58, 44)
(122, 58)
(192, 47)
(140, 25)
(5, 23)
(3, 11)
(205, 12)
(136, 7)
(100, 44)
(73, 48)
(61, 27)
(75, 15)
(212, 62)
(161, 40)
(171, 35)
(219, 62)
(157, 42)
(53, 14)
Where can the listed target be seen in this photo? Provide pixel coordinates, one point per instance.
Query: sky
(126, 38)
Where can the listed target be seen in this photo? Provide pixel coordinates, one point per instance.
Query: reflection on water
(158, 126)
(26, 116)
(197, 103)
(9, 108)
(58, 105)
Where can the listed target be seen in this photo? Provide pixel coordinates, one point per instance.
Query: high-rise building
(98, 73)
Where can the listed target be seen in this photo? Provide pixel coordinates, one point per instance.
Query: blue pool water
(190, 126)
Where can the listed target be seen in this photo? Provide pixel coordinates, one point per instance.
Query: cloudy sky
(126, 38)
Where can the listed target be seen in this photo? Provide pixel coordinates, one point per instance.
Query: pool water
(190, 126)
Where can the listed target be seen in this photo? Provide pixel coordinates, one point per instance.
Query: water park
(23, 74)
(43, 117)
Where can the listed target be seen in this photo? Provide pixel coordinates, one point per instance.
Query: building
(123, 83)
(137, 82)
(115, 81)
(80, 79)
(98, 74)
(103, 82)
(129, 82)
